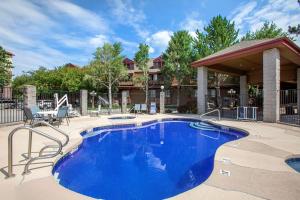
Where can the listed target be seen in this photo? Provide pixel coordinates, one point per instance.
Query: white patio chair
(153, 108)
(144, 108)
(137, 108)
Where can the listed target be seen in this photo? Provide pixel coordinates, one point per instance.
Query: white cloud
(151, 50)
(192, 23)
(98, 40)
(242, 11)
(83, 17)
(159, 40)
(125, 13)
(37, 32)
(252, 15)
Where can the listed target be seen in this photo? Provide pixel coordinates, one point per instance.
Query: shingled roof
(245, 47)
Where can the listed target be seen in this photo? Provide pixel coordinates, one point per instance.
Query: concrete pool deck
(255, 163)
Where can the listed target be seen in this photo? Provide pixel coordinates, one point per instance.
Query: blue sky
(53, 32)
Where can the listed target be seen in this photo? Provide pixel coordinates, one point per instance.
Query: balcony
(126, 83)
(157, 82)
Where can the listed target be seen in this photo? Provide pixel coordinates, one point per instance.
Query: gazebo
(274, 64)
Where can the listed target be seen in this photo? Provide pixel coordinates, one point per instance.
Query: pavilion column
(271, 85)
(201, 89)
(298, 90)
(243, 91)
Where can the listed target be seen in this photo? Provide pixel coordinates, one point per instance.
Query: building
(136, 93)
(6, 91)
(273, 64)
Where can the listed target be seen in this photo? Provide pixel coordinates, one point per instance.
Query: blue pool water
(154, 161)
(294, 163)
(122, 117)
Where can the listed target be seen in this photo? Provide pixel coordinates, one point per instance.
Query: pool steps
(202, 126)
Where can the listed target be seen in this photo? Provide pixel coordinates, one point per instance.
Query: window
(156, 65)
(212, 92)
(152, 93)
(126, 93)
(130, 66)
(168, 93)
(155, 77)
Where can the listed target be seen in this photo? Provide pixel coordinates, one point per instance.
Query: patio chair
(144, 108)
(137, 108)
(96, 112)
(62, 113)
(153, 108)
(72, 112)
(31, 116)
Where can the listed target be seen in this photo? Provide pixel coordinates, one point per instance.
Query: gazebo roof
(245, 48)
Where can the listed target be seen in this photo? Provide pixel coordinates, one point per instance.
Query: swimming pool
(122, 117)
(153, 161)
(294, 163)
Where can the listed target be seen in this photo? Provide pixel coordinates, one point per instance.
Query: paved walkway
(255, 163)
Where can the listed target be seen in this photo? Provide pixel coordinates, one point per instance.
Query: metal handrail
(56, 129)
(129, 111)
(48, 146)
(212, 111)
(10, 149)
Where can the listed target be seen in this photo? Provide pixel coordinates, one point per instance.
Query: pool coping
(84, 131)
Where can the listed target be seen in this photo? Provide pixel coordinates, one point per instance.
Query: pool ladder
(31, 128)
(212, 111)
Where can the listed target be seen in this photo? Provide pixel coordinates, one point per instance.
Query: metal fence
(100, 102)
(289, 106)
(228, 104)
(11, 106)
(46, 99)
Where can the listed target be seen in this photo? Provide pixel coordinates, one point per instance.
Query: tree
(61, 78)
(107, 69)
(219, 34)
(295, 29)
(5, 67)
(141, 59)
(268, 30)
(177, 58)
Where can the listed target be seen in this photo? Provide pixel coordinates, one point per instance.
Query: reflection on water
(153, 162)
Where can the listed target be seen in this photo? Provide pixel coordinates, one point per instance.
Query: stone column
(201, 89)
(162, 102)
(83, 102)
(29, 96)
(243, 91)
(298, 90)
(7, 92)
(124, 101)
(271, 85)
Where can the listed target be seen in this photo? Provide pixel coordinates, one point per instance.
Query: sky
(51, 33)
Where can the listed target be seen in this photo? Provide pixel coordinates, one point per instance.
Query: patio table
(48, 113)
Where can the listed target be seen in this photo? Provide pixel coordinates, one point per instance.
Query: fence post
(243, 91)
(162, 102)
(83, 102)
(124, 101)
(29, 95)
(298, 90)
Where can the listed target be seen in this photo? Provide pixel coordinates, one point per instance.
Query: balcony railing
(126, 83)
(157, 82)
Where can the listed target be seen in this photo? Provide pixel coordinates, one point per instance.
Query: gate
(228, 104)
(289, 106)
(11, 105)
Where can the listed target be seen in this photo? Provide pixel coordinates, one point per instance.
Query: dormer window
(157, 63)
(128, 63)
